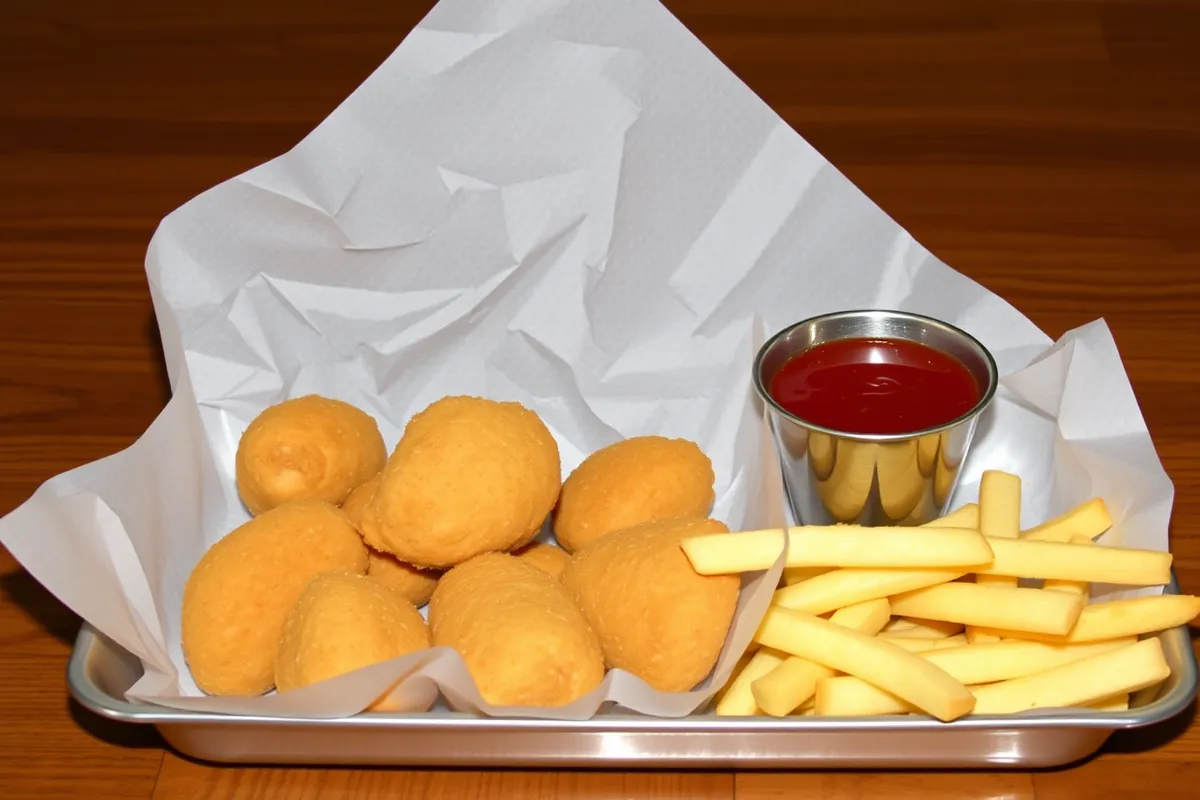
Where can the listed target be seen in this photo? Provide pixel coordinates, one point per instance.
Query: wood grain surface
(1050, 150)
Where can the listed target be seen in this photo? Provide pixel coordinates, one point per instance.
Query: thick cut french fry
(877, 661)
(913, 645)
(1088, 519)
(1118, 702)
(837, 546)
(844, 587)
(1114, 619)
(1023, 558)
(1001, 607)
(1078, 683)
(965, 517)
(977, 635)
(999, 518)
(972, 665)
(909, 628)
(1081, 588)
(737, 700)
(999, 515)
(847, 696)
(783, 689)
(797, 574)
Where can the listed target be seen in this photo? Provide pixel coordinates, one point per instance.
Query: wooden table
(1050, 150)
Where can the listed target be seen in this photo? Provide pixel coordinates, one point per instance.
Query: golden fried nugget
(308, 448)
(356, 502)
(545, 557)
(344, 621)
(654, 615)
(240, 592)
(523, 639)
(633, 481)
(414, 584)
(469, 476)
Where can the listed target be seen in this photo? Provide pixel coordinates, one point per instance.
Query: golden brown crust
(521, 636)
(344, 621)
(469, 476)
(308, 448)
(654, 616)
(240, 592)
(633, 481)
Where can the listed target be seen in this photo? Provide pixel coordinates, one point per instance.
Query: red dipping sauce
(875, 386)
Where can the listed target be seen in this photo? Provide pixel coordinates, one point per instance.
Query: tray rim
(1172, 703)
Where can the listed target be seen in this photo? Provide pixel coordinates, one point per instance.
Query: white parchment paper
(566, 203)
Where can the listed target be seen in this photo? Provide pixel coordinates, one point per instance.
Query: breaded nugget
(545, 557)
(356, 502)
(240, 592)
(309, 448)
(469, 476)
(633, 481)
(414, 585)
(344, 621)
(654, 615)
(521, 636)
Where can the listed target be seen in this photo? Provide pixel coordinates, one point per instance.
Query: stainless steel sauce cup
(833, 476)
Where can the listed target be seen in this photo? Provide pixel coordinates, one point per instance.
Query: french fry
(1078, 683)
(844, 587)
(1002, 607)
(1114, 619)
(1088, 519)
(783, 689)
(972, 665)
(914, 645)
(798, 574)
(1023, 558)
(847, 696)
(877, 661)
(737, 700)
(1119, 702)
(965, 517)
(1081, 588)
(907, 628)
(1000, 518)
(837, 546)
(977, 635)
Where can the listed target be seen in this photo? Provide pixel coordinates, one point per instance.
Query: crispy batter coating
(546, 557)
(522, 637)
(414, 585)
(654, 615)
(469, 476)
(308, 448)
(633, 481)
(240, 592)
(344, 621)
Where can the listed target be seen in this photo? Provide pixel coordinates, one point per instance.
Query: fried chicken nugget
(633, 481)
(242, 589)
(308, 448)
(469, 476)
(523, 640)
(654, 615)
(344, 621)
(546, 557)
(414, 583)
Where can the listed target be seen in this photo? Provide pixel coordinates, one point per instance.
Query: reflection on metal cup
(834, 476)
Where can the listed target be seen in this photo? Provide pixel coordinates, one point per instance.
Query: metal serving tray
(100, 672)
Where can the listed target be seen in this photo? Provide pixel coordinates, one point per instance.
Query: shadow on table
(121, 734)
(23, 591)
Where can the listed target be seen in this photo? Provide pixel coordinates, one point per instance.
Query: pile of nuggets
(347, 542)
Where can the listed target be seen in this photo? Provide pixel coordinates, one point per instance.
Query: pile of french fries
(932, 620)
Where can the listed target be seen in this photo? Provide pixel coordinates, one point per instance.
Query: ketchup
(875, 386)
